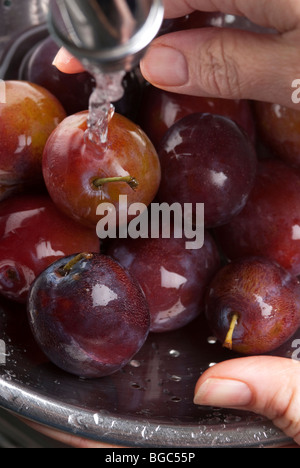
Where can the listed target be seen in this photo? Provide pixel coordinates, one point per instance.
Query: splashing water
(108, 89)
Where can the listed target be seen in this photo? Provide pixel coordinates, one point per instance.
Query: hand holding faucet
(111, 35)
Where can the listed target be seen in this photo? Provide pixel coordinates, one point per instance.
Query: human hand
(225, 63)
(229, 63)
(265, 385)
(68, 439)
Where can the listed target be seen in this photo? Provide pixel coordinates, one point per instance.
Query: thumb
(266, 385)
(224, 63)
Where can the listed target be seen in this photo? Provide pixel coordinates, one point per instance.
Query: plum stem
(228, 340)
(11, 274)
(64, 271)
(131, 181)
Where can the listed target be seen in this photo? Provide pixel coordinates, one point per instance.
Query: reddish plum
(88, 315)
(34, 234)
(74, 167)
(27, 118)
(279, 128)
(162, 109)
(74, 91)
(269, 225)
(173, 278)
(253, 305)
(207, 159)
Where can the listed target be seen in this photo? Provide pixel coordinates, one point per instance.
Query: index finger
(283, 15)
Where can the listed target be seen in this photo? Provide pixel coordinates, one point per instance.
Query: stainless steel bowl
(149, 402)
(18, 15)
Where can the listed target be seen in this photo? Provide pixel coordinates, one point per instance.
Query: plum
(269, 224)
(80, 174)
(279, 129)
(206, 158)
(160, 110)
(74, 90)
(27, 118)
(178, 276)
(34, 234)
(253, 305)
(88, 315)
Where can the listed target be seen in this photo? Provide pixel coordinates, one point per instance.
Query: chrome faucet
(110, 34)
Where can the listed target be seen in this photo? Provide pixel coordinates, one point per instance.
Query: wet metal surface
(147, 404)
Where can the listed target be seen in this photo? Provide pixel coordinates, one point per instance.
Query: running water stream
(108, 89)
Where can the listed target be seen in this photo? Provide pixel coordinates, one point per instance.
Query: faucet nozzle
(111, 34)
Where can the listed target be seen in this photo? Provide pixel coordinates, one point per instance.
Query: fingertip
(66, 63)
(165, 66)
(227, 393)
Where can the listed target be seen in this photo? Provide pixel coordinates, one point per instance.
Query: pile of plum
(92, 303)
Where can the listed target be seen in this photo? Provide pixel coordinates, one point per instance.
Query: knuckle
(219, 74)
(288, 416)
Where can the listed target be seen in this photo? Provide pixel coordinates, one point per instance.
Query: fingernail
(55, 61)
(223, 393)
(166, 66)
(66, 63)
(62, 58)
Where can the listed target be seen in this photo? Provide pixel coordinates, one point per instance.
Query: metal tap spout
(110, 34)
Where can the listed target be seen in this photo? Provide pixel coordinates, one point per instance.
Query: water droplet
(175, 378)
(8, 375)
(97, 419)
(135, 385)
(176, 399)
(155, 347)
(135, 363)
(231, 418)
(144, 433)
(75, 420)
(212, 340)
